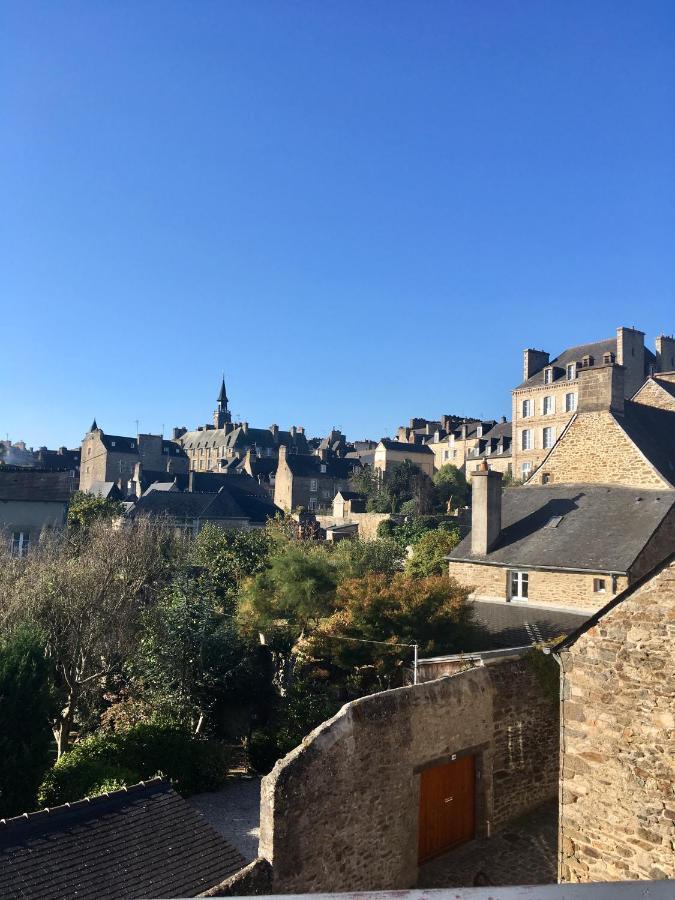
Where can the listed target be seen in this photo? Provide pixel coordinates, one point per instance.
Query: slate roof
(517, 625)
(145, 841)
(668, 386)
(238, 439)
(47, 486)
(231, 502)
(310, 466)
(351, 495)
(575, 354)
(117, 443)
(603, 528)
(653, 431)
(403, 447)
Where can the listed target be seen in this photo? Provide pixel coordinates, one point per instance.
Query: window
(323, 468)
(548, 405)
(527, 408)
(599, 585)
(519, 585)
(132, 445)
(547, 438)
(313, 484)
(325, 495)
(570, 402)
(571, 371)
(548, 376)
(313, 504)
(526, 439)
(89, 451)
(546, 479)
(20, 543)
(525, 470)
(446, 454)
(112, 443)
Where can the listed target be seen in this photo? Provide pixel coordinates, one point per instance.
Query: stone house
(32, 500)
(310, 482)
(545, 401)
(389, 454)
(617, 809)
(494, 448)
(456, 445)
(113, 458)
(567, 545)
(658, 390)
(345, 503)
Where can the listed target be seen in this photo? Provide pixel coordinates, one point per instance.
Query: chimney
(533, 362)
(293, 430)
(322, 453)
(177, 433)
(601, 388)
(244, 427)
(486, 509)
(275, 431)
(665, 353)
(301, 429)
(503, 420)
(282, 453)
(630, 353)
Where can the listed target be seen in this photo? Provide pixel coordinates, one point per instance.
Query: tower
(221, 416)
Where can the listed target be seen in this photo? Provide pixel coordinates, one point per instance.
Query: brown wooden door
(447, 807)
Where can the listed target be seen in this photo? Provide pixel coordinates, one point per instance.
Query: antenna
(136, 421)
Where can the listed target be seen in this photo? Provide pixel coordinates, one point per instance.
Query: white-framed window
(323, 468)
(313, 484)
(519, 585)
(548, 405)
(446, 454)
(132, 445)
(20, 543)
(548, 376)
(527, 408)
(313, 504)
(525, 469)
(570, 402)
(571, 371)
(547, 438)
(526, 439)
(599, 585)
(112, 443)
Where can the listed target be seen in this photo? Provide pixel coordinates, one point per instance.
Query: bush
(263, 750)
(136, 754)
(429, 553)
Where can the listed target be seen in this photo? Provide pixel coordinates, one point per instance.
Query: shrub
(126, 757)
(429, 553)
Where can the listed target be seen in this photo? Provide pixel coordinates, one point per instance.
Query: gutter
(530, 568)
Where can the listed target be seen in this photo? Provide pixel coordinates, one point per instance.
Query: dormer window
(323, 468)
(586, 361)
(608, 359)
(548, 375)
(572, 371)
(112, 443)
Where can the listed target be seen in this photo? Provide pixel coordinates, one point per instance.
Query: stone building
(617, 810)
(494, 448)
(459, 443)
(112, 458)
(545, 401)
(32, 500)
(564, 545)
(310, 482)
(222, 446)
(389, 454)
(658, 390)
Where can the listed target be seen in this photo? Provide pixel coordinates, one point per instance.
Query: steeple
(221, 416)
(94, 426)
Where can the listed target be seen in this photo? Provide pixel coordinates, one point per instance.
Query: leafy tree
(26, 703)
(355, 558)
(226, 557)
(451, 487)
(429, 552)
(84, 509)
(86, 598)
(430, 612)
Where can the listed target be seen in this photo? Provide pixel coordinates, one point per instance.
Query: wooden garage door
(447, 807)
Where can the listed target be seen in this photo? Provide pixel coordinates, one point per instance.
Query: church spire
(222, 417)
(222, 395)
(94, 426)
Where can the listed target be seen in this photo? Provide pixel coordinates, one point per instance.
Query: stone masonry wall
(618, 755)
(596, 450)
(652, 394)
(557, 588)
(340, 812)
(367, 523)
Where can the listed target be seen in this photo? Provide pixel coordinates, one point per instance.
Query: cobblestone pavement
(524, 852)
(234, 812)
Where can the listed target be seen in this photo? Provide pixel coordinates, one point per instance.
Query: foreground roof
(652, 430)
(46, 486)
(143, 841)
(231, 502)
(601, 528)
(510, 625)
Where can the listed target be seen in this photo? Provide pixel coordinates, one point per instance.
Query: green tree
(429, 552)
(356, 558)
(451, 487)
(26, 703)
(227, 556)
(84, 509)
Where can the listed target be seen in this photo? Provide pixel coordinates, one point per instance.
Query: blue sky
(360, 211)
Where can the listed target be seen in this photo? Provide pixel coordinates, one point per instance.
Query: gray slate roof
(575, 354)
(653, 431)
(238, 440)
(144, 841)
(22, 485)
(310, 466)
(231, 502)
(603, 528)
(510, 625)
(405, 447)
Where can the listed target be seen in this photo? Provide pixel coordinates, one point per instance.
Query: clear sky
(359, 211)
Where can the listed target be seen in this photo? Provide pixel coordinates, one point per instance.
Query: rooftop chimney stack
(486, 509)
(533, 362)
(602, 389)
(665, 353)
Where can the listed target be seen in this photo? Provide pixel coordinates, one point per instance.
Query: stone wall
(652, 394)
(573, 589)
(596, 450)
(618, 755)
(340, 812)
(367, 523)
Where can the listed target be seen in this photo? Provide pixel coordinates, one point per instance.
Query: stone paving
(524, 852)
(234, 812)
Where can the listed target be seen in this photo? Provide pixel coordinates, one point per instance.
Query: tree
(429, 552)
(400, 611)
(226, 557)
(86, 598)
(451, 487)
(84, 509)
(356, 558)
(26, 703)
